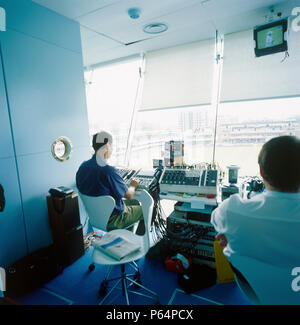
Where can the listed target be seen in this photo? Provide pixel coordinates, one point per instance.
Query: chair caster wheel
(92, 267)
(103, 289)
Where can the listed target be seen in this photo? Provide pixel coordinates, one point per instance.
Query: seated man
(267, 226)
(95, 178)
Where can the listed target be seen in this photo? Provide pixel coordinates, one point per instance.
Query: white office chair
(272, 285)
(99, 210)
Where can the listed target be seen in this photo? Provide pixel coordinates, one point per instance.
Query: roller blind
(179, 76)
(248, 77)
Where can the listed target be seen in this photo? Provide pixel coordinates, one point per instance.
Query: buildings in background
(196, 129)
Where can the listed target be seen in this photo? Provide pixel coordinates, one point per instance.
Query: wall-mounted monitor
(271, 38)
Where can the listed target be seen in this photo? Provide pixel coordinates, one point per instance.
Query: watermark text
(296, 21)
(296, 281)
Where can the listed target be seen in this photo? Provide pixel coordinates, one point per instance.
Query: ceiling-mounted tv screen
(271, 38)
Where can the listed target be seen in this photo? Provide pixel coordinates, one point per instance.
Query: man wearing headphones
(95, 177)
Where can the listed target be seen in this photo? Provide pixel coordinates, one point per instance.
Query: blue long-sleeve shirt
(95, 180)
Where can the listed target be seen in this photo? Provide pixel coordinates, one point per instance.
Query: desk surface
(193, 199)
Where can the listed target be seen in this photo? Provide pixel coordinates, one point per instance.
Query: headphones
(256, 185)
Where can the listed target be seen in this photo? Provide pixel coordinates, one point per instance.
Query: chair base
(127, 281)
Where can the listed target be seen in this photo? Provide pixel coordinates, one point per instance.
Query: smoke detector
(134, 13)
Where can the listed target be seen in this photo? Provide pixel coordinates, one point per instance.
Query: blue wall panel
(47, 100)
(46, 93)
(12, 232)
(6, 144)
(43, 68)
(32, 19)
(38, 173)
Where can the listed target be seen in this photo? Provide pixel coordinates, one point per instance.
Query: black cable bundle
(186, 233)
(158, 222)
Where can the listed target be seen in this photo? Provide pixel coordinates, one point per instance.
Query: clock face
(59, 149)
(62, 149)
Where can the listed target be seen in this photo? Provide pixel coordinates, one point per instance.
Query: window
(243, 127)
(111, 92)
(195, 126)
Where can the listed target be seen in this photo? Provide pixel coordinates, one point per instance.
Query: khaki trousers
(132, 213)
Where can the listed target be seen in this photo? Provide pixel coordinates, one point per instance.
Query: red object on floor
(176, 265)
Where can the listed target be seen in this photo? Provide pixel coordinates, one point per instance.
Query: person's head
(279, 161)
(102, 144)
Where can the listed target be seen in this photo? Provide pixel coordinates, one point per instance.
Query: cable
(285, 56)
(158, 223)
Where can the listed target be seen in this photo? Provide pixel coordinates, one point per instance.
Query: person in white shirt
(267, 226)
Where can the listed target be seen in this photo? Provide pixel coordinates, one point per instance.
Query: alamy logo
(296, 281)
(2, 20)
(2, 280)
(296, 21)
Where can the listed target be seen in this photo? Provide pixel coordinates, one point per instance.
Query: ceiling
(108, 33)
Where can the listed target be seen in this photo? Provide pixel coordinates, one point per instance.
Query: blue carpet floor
(77, 286)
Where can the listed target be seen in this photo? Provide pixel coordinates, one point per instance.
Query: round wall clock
(62, 149)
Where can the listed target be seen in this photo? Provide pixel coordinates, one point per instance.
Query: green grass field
(275, 38)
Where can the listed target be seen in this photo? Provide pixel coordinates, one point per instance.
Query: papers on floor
(115, 245)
